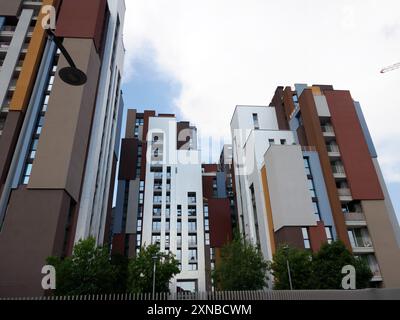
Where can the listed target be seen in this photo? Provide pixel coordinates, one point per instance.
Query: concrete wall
(287, 182)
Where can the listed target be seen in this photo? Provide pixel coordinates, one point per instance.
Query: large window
(156, 226)
(192, 226)
(192, 240)
(306, 238)
(329, 236)
(256, 124)
(192, 255)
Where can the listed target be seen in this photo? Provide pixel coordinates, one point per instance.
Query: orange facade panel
(30, 66)
(361, 175)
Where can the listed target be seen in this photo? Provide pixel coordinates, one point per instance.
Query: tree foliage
(322, 270)
(300, 268)
(140, 270)
(87, 271)
(241, 267)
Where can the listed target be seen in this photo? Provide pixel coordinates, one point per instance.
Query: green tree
(328, 263)
(120, 263)
(242, 267)
(87, 271)
(140, 279)
(300, 262)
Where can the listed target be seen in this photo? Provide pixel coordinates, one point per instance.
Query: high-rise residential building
(166, 197)
(58, 149)
(306, 173)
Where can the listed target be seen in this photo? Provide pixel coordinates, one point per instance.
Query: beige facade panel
(62, 147)
(384, 242)
(291, 201)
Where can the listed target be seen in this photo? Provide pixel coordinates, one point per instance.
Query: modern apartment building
(306, 172)
(167, 197)
(58, 149)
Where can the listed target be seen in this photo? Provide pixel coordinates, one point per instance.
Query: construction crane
(391, 68)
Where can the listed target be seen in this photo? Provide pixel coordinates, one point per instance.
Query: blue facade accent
(367, 135)
(293, 125)
(299, 87)
(320, 190)
(221, 183)
(2, 21)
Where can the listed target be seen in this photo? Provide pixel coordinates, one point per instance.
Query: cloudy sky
(197, 57)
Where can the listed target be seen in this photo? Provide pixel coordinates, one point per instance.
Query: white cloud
(229, 52)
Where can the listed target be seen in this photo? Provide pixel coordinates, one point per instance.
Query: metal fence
(366, 294)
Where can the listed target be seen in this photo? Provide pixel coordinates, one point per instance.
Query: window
(192, 211)
(207, 238)
(192, 241)
(141, 186)
(316, 210)
(179, 241)
(138, 240)
(283, 141)
(167, 226)
(139, 225)
(307, 166)
(255, 121)
(179, 226)
(157, 199)
(192, 198)
(306, 238)
(271, 141)
(193, 266)
(156, 239)
(156, 226)
(311, 188)
(192, 226)
(167, 211)
(179, 210)
(157, 212)
(192, 255)
(206, 211)
(167, 241)
(179, 255)
(206, 225)
(329, 236)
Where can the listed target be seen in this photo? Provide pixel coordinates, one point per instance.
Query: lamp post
(286, 248)
(70, 75)
(155, 258)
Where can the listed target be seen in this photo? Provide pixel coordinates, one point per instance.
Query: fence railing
(365, 294)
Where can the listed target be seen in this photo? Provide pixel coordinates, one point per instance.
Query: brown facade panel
(208, 186)
(288, 101)
(384, 242)
(277, 102)
(34, 229)
(361, 175)
(8, 141)
(62, 148)
(82, 19)
(130, 124)
(118, 244)
(128, 159)
(10, 8)
(291, 236)
(313, 131)
(220, 222)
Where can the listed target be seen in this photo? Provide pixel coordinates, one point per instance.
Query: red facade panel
(317, 236)
(82, 19)
(220, 222)
(361, 175)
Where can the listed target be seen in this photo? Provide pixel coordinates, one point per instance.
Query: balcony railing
(327, 129)
(344, 192)
(332, 148)
(338, 169)
(354, 216)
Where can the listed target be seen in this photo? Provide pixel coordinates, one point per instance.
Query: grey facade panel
(13, 52)
(131, 215)
(221, 185)
(62, 148)
(10, 8)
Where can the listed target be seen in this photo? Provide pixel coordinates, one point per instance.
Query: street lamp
(286, 248)
(70, 75)
(155, 258)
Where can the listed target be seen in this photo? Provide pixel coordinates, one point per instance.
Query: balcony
(362, 245)
(338, 172)
(158, 175)
(344, 194)
(327, 131)
(355, 219)
(333, 151)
